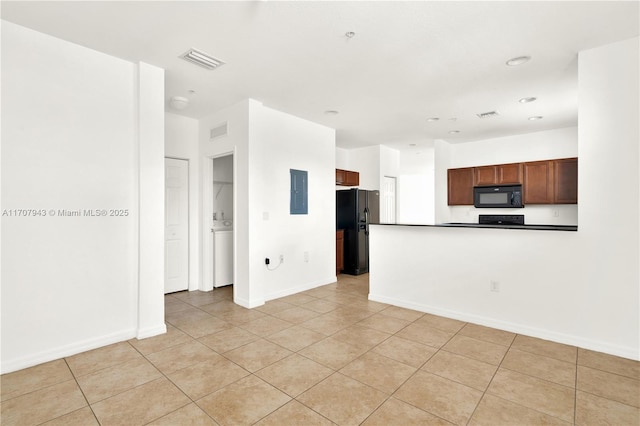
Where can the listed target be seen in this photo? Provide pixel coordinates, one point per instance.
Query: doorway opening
(388, 207)
(222, 223)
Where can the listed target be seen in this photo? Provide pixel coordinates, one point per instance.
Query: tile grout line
(259, 336)
(81, 391)
(492, 377)
(391, 395)
(330, 298)
(575, 394)
(297, 352)
(170, 381)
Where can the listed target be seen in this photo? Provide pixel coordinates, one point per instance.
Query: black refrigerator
(356, 209)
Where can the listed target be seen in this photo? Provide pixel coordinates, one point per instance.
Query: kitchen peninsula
(529, 282)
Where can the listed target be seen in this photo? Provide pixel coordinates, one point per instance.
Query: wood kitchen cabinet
(484, 175)
(339, 250)
(551, 182)
(500, 174)
(460, 186)
(538, 182)
(347, 178)
(565, 181)
(509, 173)
(543, 182)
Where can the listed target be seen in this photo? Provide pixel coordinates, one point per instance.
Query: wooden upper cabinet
(543, 182)
(565, 173)
(460, 186)
(353, 178)
(538, 182)
(501, 174)
(347, 178)
(484, 175)
(509, 173)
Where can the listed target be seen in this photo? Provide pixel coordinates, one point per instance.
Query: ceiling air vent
(488, 114)
(218, 131)
(198, 57)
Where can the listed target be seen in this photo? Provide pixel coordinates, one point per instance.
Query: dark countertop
(477, 225)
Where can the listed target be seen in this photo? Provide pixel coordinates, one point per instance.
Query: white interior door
(388, 213)
(176, 221)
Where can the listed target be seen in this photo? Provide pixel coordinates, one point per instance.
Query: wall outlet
(306, 257)
(282, 258)
(556, 212)
(494, 286)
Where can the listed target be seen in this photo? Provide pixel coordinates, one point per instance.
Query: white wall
(609, 131)
(550, 144)
(389, 163)
(578, 288)
(342, 158)
(266, 144)
(414, 177)
(235, 142)
(150, 194)
(77, 125)
(366, 161)
(280, 142)
(181, 141)
(416, 199)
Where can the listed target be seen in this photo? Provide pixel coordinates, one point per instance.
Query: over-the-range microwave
(498, 196)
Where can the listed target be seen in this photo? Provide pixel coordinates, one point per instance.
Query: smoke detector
(179, 102)
(202, 59)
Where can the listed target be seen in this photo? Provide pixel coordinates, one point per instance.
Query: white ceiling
(408, 60)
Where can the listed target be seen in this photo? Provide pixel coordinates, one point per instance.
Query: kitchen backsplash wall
(557, 214)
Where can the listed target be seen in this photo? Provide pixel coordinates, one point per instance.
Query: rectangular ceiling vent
(488, 114)
(218, 131)
(198, 57)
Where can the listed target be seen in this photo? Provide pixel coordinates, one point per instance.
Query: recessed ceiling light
(350, 34)
(534, 118)
(198, 57)
(454, 132)
(431, 119)
(191, 91)
(527, 100)
(412, 144)
(513, 62)
(331, 112)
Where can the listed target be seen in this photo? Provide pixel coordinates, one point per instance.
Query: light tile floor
(325, 356)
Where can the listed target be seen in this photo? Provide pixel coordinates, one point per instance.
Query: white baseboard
(567, 339)
(300, 288)
(249, 304)
(11, 365)
(152, 331)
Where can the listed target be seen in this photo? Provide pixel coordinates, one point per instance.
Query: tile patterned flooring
(325, 356)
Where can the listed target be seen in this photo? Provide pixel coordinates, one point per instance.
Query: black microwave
(498, 196)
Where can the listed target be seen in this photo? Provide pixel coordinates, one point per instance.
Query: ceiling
(407, 61)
